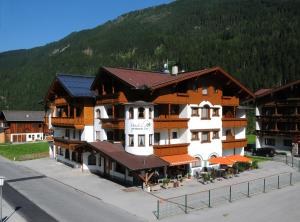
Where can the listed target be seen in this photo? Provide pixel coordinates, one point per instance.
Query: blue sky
(30, 23)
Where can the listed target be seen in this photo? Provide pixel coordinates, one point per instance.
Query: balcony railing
(171, 149)
(60, 101)
(67, 143)
(113, 123)
(169, 123)
(234, 122)
(231, 143)
(230, 101)
(111, 98)
(68, 122)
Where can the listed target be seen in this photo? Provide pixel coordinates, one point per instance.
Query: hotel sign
(140, 126)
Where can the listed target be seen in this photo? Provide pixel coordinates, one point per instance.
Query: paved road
(51, 200)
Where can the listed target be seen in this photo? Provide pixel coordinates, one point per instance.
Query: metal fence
(214, 197)
(289, 160)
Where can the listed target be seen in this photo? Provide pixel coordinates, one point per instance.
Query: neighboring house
(21, 126)
(278, 117)
(142, 120)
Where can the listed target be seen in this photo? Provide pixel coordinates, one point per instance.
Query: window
(215, 135)
(97, 135)
(215, 112)
(29, 136)
(109, 111)
(99, 158)
(204, 90)
(150, 139)
(287, 142)
(205, 137)
(38, 136)
(130, 140)
(195, 136)
(156, 138)
(92, 159)
(141, 113)
(195, 111)
(175, 109)
(141, 140)
(195, 85)
(174, 135)
(67, 133)
(79, 134)
(198, 163)
(110, 135)
(60, 151)
(130, 113)
(270, 142)
(205, 112)
(120, 168)
(98, 114)
(67, 154)
(150, 113)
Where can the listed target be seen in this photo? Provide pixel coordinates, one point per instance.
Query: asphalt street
(43, 199)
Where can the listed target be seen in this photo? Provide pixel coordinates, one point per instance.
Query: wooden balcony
(170, 123)
(113, 123)
(230, 101)
(170, 149)
(111, 98)
(77, 123)
(234, 122)
(233, 143)
(66, 143)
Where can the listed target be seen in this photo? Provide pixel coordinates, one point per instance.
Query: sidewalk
(134, 200)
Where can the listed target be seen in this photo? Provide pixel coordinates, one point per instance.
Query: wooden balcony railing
(60, 101)
(113, 123)
(230, 101)
(170, 149)
(234, 122)
(67, 143)
(111, 98)
(231, 143)
(169, 123)
(68, 122)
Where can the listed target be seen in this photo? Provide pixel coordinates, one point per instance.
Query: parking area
(129, 198)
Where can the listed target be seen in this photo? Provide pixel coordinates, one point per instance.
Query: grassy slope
(24, 151)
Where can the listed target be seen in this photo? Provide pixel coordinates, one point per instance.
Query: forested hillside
(257, 41)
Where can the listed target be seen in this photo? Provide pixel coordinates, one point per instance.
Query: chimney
(174, 70)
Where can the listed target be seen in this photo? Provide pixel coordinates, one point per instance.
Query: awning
(221, 160)
(176, 160)
(239, 158)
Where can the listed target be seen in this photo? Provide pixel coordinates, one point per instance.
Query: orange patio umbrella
(221, 160)
(239, 158)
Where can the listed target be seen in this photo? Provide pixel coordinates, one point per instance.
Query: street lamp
(2, 178)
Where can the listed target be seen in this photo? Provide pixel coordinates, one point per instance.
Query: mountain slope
(255, 40)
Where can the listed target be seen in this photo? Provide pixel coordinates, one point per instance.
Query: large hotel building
(124, 123)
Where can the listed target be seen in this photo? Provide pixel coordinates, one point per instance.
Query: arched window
(141, 113)
(198, 163)
(130, 113)
(67, 154)
(91, 159)
(205, 114)
(98, 114)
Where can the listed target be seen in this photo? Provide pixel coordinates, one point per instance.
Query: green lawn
(259, 158)
(251, 139)
(24, 151)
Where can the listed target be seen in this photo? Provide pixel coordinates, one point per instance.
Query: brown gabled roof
(279, 88)
(132, 162)
(139, 78)
(154, 80)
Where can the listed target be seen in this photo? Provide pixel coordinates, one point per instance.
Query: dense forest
(257, 41)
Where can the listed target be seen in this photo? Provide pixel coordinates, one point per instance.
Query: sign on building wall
(139, 126)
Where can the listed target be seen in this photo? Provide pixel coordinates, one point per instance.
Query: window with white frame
(195, 111)
(141, 140)
(150, 113)
(150, 139)
(130, 140)
(174, 135)
(98, 114)
(204, 90)
(215, 135)
(131, 113)
(97, 135)
(141, 113)
(205, 112)
(270, 141)
(195, 136)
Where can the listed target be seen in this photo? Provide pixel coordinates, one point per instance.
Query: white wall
(260, 142)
